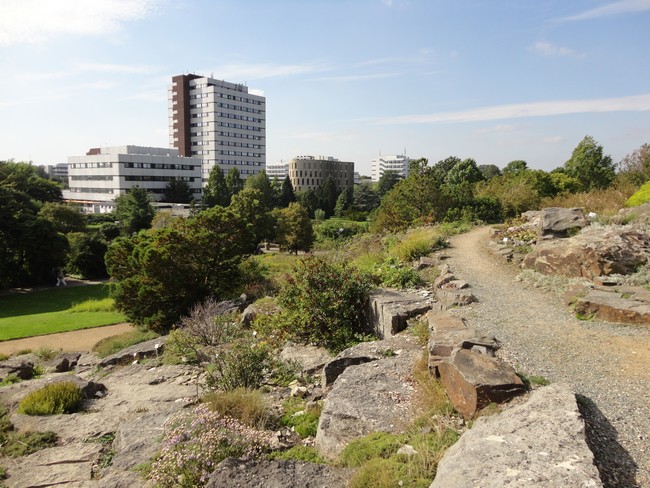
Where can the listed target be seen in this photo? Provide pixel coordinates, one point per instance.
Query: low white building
(278, 171)
(104, 173)
(398, 163)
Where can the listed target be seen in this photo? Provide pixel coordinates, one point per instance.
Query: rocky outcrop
(369, 397)
(473, 381)
(143, 350)
(63, 362)
(622, 304)
(451, 292)
(639, 214)
(560, 222)
(598, 252)
(276, 474)
(538, 443)
(388, 310)
(19, 366)
(311, 359)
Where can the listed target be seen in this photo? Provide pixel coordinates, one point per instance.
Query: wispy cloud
(369, 76)
(499, 128)
(550, 50)
(115, 68)
(614, 8)
(37, 21)
(244, 72)
(638, 103)
(553, 140)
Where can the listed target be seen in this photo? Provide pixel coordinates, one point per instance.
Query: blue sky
(494, 80)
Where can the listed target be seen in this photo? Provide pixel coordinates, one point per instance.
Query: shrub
(240, 365)
(94, 305)
(196, 442)
(111, 345)
(246, 405)
(301, 416)
(305, 454)
(603, 202)
(641, 196)
(208, 325)
(46, 353)
(57, 398)
(338, 229)
(394, 274)
(417, 242)
(182, 348)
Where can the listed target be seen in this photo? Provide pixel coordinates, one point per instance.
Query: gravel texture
(607, 365)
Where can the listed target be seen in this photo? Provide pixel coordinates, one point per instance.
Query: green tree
(23, 177)
(294, 230)
(133, 210)
(365, 197)
(444, 166)
(64, 217)
(234, 183)
(287, 194)
(387, 182)
(489, 171)
(636, 165)
(161, 274)
(309, 201)
(216, 191)
(515, 167)
(464, 172)
(261, 182)
(86, 255)
(249, 204)
(178, 191)
(588, 165)
(328, 194)
(344, 202)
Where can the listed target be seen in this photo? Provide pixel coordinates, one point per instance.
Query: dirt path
(77, 340)
(608, 365)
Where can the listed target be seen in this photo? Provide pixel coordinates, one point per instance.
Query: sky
(495, 80)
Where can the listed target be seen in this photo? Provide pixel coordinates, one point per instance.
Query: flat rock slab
(388, 310)
(65, 465)
(540, 443)
(558, 221)
(143, 350)
(370, 397)
(312, 359)
(277, 474)
(626, 305)
(473, 381)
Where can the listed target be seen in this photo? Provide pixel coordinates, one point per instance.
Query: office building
(104, 173)
(309, 172)
(57, 171)
(398, 164)
(277, 171)
(219, 122)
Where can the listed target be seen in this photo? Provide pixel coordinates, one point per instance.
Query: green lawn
(47, 312)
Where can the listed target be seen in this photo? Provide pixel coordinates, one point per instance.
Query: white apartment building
(278, 171)
(219, 122)
(309, 172)
(398, 163)
(104, 173)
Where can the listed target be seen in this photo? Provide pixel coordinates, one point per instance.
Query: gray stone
(312, 359)
(276, 474)
(639, 214)
(559, 222)
(538, 443)
(624, 304)
(451, 297)
(388, 310)
(135, 440)
(20, 366)
(143, 350)
(64, 362)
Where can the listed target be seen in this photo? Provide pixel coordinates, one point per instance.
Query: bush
(394, 274)
(86, 255)
(240, 365)
(641, 196)
(197, 441)
(305, 454)
(417, 242)
(302, 417)
(208, 325)
(111, 345)
(94, 305)
(246, 405)
(54, 399)
(338, 229)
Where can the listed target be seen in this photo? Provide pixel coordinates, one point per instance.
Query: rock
(427, 262)
(473, 381)
(406, 450)
(276, 474)
(254, 310)
(143, 350)
(639, 214)
(452, 297)
(120, 479)
(18, 366)
(559, 222)
(538, 443)
(312, 359)
(64, 362)
(626, 304)
(388, 310)
(600, 251)
(61, 465)
(134, 441)
(369, 397)
(364, 353)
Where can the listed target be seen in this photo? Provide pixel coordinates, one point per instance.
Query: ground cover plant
(53, 310)
(53, 399)
(16, 444)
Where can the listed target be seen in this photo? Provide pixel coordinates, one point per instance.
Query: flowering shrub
(197, 441)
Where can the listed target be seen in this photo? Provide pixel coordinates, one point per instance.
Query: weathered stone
(388, 310)
(312, 359)
(254, 310)
(133, 443)
(18, 366)
(64, 362)
(538, 443)
(364, 353)
(627, 305)
(276, 474)
(600, 251)
(473, 381)
(559, 222)
(443, 278)
(369, 397)
(427, 262)
(450, 297)
(639, 214)
(143, 350)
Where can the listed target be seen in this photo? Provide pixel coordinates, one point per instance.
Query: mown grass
(113, 344)
(51, 311)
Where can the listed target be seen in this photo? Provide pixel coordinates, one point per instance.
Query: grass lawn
(48, 311)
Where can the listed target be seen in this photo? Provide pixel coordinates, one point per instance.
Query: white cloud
(637, 103)
(553, 140)
(114, 68)
(371, 76)
(547, 49)
(36, 21)
(499, 128)
(614, 8)
(245, 72)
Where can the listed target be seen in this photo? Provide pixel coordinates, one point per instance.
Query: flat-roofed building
(104, 173)
(310, 172)
(277, 171)
(399, 164)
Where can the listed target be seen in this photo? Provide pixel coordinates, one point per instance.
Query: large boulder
(388, 310)
(639, 214)
(538, 443)
(593, 253)
(560, 222)
(311, 359)
(276, 474)
(473, 381)
(148, 349)
(622, 304)
(369, 397)
(18, 366)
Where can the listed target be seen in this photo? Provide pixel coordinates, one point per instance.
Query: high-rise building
(309, 172)
(398, 164)
(219, 122)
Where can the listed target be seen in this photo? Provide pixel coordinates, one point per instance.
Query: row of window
(91, 190)
(91, 178)
(317, 174)
(90, 165)
(317, 182)
(186, 167)
(157, 178)
(238, 126)
(197, 96)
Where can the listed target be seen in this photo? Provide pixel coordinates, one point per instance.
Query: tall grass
(605, 202)
(94, 305)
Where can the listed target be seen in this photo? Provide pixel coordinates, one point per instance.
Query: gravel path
(608, 365)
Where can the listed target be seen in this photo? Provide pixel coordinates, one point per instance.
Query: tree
(515, 167)
(249, 205)
(387, 181)
(178, 191)
(133, 210)
(294, 229)
(234, 183)
(160, 274)
(444, 166)
(489, 171)
(464, 172)
(287, 194)
(343, 202)
(23, 177)
(365, 198)
(86, 255)
(637, 165)
(309, 201)
(327, 196)
(261, 182)
(588, 165)
(216, 191)
(64, 217)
